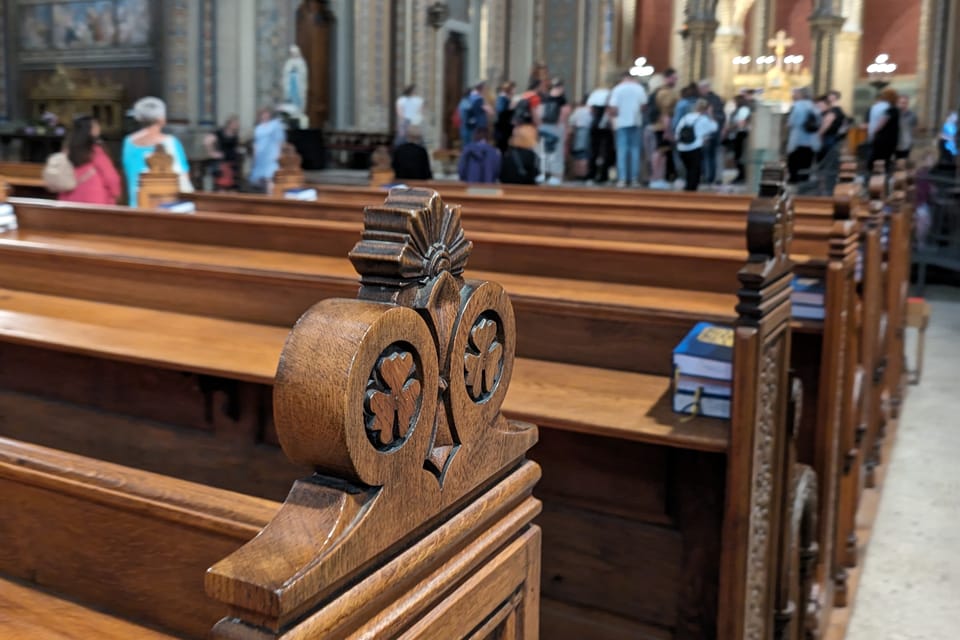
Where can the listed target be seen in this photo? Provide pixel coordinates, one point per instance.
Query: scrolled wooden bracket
(394, 399)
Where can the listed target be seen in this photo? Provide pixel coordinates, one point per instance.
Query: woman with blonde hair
(151, 113)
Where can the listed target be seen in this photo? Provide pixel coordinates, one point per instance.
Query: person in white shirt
(627, 101)
(691, 134)
(409, 112)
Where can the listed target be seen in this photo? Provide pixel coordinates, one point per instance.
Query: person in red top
(97, 180)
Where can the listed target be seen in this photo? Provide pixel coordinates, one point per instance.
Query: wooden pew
(672, 448)
(821, 431)
(417, 520)
(830, 430)
(127, 542)
(25, 179)
(158, 184)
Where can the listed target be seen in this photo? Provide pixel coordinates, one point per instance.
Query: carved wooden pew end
(158, 184)
(290, 173)
(418, 518)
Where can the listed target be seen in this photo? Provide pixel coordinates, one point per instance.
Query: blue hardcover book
(692, 384)
(701, 404)
(179, 207)
(810, 291)
(706, 352)
(808, 311)
(305, 193)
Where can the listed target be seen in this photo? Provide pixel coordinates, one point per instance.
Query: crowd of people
(663, 138)
(631, 136)
(83, 171)
(542, 136)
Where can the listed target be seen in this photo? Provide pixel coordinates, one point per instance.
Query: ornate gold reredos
(159, 161)
(770, 219)
(413, 371)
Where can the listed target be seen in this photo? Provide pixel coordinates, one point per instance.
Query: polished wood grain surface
(118, 538)
(558, 395)
(27, 613)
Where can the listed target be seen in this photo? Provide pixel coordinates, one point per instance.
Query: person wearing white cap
(151, 113)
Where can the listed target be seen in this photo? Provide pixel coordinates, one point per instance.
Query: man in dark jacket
(479, 160)
(410, 159)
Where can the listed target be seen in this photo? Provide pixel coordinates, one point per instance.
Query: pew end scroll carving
(394, 399)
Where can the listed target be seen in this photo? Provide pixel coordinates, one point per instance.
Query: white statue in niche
(295, 81)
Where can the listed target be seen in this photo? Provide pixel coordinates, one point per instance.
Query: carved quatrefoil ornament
(428, 354)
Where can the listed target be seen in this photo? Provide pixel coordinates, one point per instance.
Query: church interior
(479, 319)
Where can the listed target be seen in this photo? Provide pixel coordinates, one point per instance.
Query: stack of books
(304, 193)
(807, 299)
(179, 207)
(7, 218)
(703, 371)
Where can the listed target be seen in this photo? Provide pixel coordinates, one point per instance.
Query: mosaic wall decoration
(176, 45)
(83, 31)
(276, 26)
(207, 76)
(4, 99)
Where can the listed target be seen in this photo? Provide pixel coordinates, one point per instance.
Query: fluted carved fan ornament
(159, 161)
(393, 398)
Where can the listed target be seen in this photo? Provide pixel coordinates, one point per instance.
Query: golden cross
(780, 43)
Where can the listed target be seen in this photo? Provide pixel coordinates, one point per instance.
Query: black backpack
(522, 113)
(551, 111)
(653, 111)
(811, 124)
(688, 132)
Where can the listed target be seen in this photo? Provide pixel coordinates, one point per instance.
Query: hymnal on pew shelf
(703, 369)
(179, 207)
(808, 291)
(706, 352)
(306, 194)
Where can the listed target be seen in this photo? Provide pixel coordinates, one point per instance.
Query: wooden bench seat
(598, 401)
(26, 613)
(120, 539)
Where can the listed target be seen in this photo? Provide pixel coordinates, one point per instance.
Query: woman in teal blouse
(151, 113)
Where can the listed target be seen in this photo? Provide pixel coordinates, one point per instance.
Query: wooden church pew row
(24, 179)
(822, 408)
(819, 416)
(662, 436)
(712, 208)
(125, 541)
(747, 589)
(305, 235)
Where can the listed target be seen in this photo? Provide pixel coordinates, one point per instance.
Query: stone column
(727, 44)
(847, 67)
(700, 33)
(824, 27)
(760, 28)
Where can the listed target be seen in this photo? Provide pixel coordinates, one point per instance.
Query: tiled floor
(910, 586)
